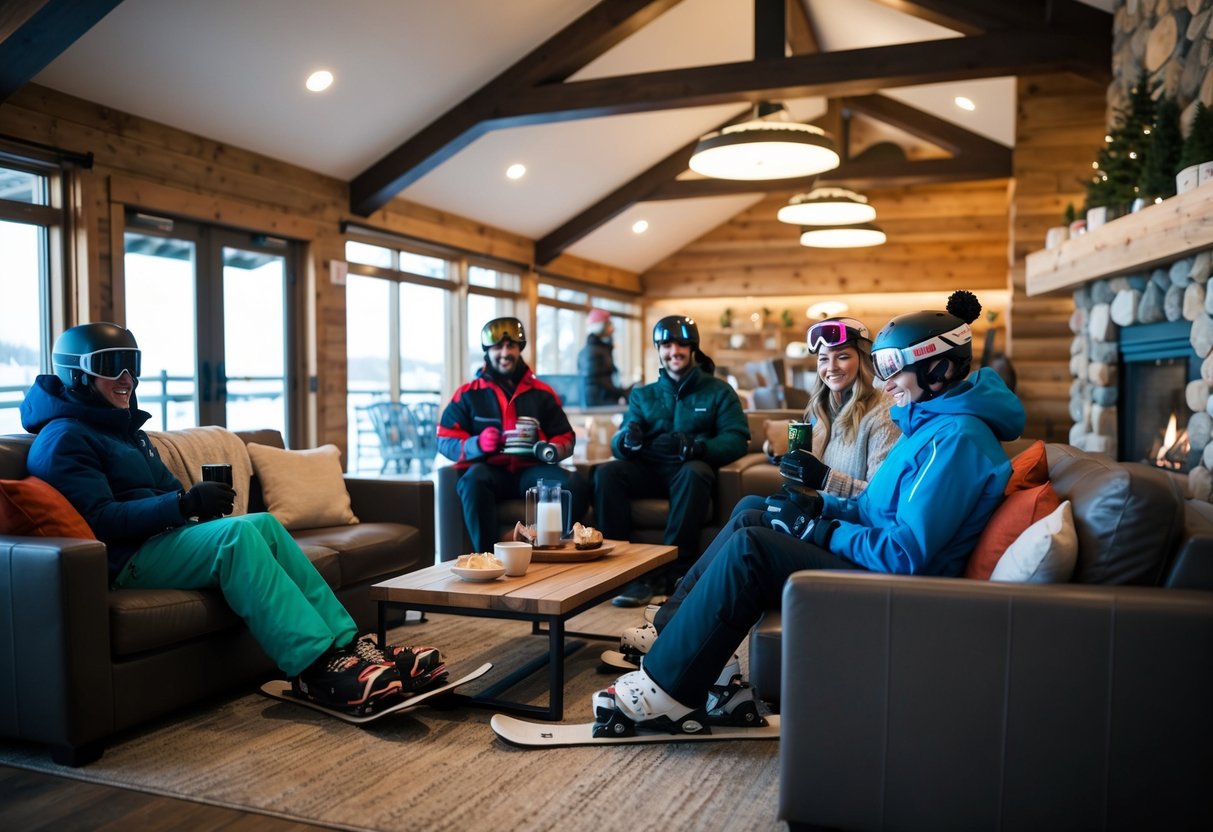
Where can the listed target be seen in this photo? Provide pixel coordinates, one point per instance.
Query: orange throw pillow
(1029, 468)
(33, 508)
(1017, 512)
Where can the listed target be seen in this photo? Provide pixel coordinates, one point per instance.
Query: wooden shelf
(1155, 235)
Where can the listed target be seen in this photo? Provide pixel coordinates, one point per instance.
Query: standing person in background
(472, 433)
(852, 434)
(596, 363)
(677, 432)
(91, 447)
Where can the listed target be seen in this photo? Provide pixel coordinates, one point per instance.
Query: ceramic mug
(516, 557)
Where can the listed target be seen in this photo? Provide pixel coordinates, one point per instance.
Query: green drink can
(800, 435)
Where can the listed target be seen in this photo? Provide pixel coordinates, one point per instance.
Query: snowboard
(279, 689)
(614, 658)
(528, 734)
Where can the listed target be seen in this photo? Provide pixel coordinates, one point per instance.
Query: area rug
(436, 769)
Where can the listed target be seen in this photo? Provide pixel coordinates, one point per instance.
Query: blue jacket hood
(48, 399)
(983, 395)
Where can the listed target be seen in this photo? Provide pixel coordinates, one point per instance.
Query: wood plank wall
(1060, 126)
(940, 238)
(143, 164)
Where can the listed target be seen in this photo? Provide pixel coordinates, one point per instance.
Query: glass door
(210, 308)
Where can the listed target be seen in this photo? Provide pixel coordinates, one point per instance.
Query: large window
(404, 341)
(561, 331)
(29, 223)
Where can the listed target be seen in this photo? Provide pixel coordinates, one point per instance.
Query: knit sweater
(852, 463)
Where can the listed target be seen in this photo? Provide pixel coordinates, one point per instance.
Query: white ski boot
(636, 702)
(636, 641)
(731, 701)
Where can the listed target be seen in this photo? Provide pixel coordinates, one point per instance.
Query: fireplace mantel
(1155, 235)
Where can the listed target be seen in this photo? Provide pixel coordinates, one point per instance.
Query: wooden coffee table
(549, 593)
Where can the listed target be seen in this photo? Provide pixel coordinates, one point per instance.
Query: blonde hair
(857, 401)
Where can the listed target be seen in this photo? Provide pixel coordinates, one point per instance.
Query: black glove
(545, 452)
(823, 530)
(687, 447)
(633, 439)
(207, 500)
(794, 512)
(802, 467)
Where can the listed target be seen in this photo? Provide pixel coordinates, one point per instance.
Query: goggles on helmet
(501, 329)
(107, 363)
(890, 361)
(835, 333)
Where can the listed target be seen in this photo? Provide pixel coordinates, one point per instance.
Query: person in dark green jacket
(677, 432)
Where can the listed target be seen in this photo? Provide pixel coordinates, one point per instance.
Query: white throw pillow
(1045, 553)
(303, 489)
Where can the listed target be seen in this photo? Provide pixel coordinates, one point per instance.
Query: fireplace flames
(1173, 448)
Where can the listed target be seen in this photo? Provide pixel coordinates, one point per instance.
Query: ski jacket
(107, 468)
(596, 366)
(482, 403)
(923, 511)
(700, 405)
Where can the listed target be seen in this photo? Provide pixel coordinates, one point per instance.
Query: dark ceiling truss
(35, 32)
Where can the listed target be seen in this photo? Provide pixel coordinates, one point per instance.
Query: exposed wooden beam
(35, 32)
(697, 188)
(638, 189)
(951, 137)
(849, 72)
(579, 43)
(972, 17)
(864, 175)
(802, 37)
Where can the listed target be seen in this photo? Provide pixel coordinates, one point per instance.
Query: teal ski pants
(264, 576)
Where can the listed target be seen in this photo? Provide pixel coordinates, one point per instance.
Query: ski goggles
(502, 329)
(108, 363)
(835, 333)
(890, 361)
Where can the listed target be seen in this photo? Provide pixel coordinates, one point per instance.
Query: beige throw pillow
(303, 489)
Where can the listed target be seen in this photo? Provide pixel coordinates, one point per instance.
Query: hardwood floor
(33, 801)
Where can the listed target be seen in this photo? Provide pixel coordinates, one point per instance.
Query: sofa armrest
(945, 703)
(395, 501)
(55, 665)
(753, 474)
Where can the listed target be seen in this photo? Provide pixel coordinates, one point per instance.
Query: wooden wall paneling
(1060, 128)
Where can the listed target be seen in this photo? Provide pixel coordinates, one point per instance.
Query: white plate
(479, 576)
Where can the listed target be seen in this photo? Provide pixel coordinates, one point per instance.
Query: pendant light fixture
(857, 235)
(761, 149)
(827, 206)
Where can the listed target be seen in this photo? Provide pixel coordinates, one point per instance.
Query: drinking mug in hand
(217, 472)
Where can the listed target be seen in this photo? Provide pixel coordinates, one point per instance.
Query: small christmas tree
(1118, 169)
(1162, 152)
(1198, 147)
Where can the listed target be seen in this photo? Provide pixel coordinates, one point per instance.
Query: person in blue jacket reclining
(921, 514)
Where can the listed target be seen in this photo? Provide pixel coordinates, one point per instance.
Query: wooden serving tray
(566, 552)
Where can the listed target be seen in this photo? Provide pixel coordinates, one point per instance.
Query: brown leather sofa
(648, 514)
(921, 703)
(81, 662)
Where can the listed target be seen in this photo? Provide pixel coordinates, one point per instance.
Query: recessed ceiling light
(640, 226)
(965, 103)
(516, 171)
(319, 81)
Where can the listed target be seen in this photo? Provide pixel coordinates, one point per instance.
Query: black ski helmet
(676, 328)
(917, 338)
(103, 350)
(503, 329)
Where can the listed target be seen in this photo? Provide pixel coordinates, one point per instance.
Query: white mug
(515, 556)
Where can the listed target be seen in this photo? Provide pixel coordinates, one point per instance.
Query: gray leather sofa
(81, 662)
(934, 704)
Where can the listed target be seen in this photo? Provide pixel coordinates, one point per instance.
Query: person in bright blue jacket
(921, 514)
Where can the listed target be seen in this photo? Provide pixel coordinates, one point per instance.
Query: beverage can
(800, 435)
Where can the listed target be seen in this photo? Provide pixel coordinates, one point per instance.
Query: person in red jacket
(474, 427)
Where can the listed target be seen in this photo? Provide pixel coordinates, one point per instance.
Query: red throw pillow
(33, 508)
(1017, 512)
(1029, 468)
